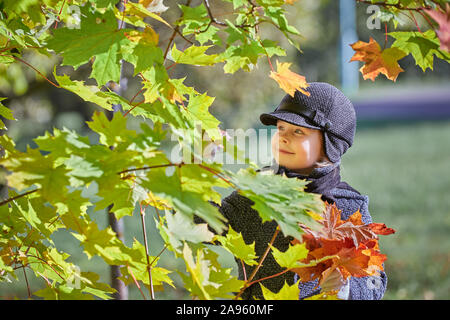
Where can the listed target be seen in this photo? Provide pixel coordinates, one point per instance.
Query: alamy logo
(373, 283)
(73, 281)
(74, 19)
(373, 21)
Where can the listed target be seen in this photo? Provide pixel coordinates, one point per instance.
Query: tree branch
(16, 197)
(261, 260)
(396, 5)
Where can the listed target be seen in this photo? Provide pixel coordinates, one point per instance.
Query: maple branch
(261, 260)
(28, 285)
(18, 59)
(217, 174)
(213, 20)
(415, 21)
(159, 254)
(269, 277)
(396, 5)
(16, 197)
(149, 268)
(151, 167)
(60, 10)
(243, 269)
(426, 18)
(122, 8)
(175, 31)
(137, 104)
(29, 255)
(135, 282)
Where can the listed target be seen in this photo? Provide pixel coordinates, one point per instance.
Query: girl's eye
(298, 131)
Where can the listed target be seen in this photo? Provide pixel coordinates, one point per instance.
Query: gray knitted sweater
(242, 218)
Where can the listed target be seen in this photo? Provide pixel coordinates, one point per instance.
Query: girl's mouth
(283, 151)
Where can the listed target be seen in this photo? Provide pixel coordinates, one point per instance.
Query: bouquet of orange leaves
(350, 245)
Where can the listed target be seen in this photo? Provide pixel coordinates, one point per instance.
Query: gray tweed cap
(327, 109)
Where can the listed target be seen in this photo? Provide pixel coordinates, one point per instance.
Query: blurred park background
(400, 157)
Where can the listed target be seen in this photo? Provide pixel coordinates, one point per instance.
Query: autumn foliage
(351, 245)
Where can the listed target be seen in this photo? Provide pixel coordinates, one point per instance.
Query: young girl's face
(302, 146)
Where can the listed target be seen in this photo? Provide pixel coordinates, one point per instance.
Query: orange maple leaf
(380, 228)
(345, 247)
(376, 60)
(289, 81)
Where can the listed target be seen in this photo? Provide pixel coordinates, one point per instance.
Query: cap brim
(270, 119)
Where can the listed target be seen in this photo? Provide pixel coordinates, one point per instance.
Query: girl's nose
(283, 138)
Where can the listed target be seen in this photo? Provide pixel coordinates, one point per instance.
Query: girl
(313, 133)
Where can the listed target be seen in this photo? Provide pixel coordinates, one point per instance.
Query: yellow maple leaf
(376, 60)
(289, 81)
(148, 36)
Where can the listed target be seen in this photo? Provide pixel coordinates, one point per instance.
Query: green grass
(405, 171)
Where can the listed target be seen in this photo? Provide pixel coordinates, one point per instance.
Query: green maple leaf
(193, 18)
(234, 243)
(287, 292)
(185, 202)
(180, 228)
(208, 279)
(32, 167)
(197, 179)
(92, 94)
(142, 55)
(194, 55)
(5, 113)
(279, 198)
(97, 37)
(289, 258)
(113, 132)
(197, 111)
(422, 46)
(62, 292)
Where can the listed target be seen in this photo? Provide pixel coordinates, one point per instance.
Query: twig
(16, 197)
(18, 59)
(60, 10)
(159, 254)
(217, 174)
(396, 5)
(136, 283)
(29, 255)
(415, 21)
(261, 260)
(269, 277)
(151, 167)
(149, 268)
(243, 269)
(28, 285)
